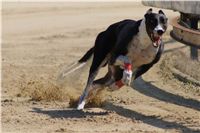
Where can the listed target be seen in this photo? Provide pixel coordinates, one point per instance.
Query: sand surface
(41, 39)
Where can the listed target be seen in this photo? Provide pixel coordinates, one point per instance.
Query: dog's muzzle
(157, 35)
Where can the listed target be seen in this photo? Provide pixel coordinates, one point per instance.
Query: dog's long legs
(96, 65)
(100, 84)
(100, 59)
(82, 100)
(112, 80)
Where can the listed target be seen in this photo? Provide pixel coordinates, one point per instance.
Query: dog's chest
(141, 51)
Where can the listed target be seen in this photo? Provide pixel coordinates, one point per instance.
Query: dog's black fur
(114, 42)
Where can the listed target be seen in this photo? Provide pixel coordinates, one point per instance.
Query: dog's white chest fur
(140, 49)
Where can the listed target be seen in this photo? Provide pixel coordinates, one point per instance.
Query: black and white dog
(129, 48)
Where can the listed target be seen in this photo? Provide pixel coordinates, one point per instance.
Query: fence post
(193, 50)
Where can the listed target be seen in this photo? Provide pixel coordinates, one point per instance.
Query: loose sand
(41, 39)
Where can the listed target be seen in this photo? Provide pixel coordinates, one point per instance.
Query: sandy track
(40, 39)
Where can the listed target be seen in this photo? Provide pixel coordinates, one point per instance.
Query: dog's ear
(161, 12)
(149, 11)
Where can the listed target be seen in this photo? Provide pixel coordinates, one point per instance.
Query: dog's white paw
(81, 105)
(127, 77)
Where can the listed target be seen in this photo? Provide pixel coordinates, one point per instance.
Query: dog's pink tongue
(157, 38)
(157, 41)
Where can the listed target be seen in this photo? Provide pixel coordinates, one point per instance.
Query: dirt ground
(41, 39)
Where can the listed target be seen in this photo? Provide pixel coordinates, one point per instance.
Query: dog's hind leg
(103, 46)
(100, 84)
(96, 65)
(82, 100)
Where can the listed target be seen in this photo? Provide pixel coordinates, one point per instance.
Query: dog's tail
(87, 55)
(76, 65)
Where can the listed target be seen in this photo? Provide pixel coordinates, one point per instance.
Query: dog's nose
(160, 32)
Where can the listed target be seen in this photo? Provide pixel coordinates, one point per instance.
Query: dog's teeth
(155, 44)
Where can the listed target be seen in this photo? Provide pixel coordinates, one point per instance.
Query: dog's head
(156, 25)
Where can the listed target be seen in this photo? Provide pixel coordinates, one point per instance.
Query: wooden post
(190, 21)
(194, 53)
(193, 50)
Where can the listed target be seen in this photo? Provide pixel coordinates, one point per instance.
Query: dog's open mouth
(156, 39)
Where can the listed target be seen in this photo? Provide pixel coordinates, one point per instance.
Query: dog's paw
(127, 77)
(81, 105)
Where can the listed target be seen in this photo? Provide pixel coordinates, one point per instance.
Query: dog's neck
(143, 36)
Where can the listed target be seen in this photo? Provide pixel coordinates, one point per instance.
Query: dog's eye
(153, 21)
(162, 20)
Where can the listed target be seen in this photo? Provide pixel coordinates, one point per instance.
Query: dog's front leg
(125, 63)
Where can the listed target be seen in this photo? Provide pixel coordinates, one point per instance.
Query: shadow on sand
(150, 90)
(154, 121)
(122, 111)
(68, 113)
(143, 87)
